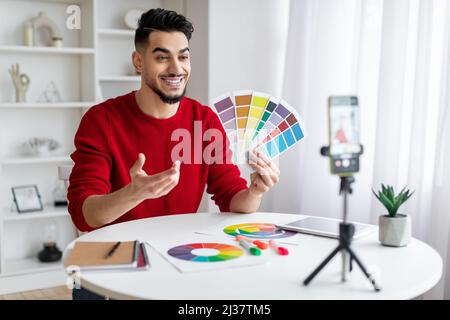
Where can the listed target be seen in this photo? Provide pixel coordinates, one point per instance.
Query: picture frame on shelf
(27, 198)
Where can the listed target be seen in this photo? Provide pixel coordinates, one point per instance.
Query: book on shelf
(107, 256)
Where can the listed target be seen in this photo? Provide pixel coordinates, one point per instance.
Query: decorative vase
(28, 34)
(45, 31)
(395, 231)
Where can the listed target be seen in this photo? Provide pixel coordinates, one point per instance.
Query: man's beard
(164, 97)
(168, 99)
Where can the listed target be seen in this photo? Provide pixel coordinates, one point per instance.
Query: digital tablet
(325, 227)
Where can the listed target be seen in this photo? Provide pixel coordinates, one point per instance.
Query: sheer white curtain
(412, 107)
(395, 56)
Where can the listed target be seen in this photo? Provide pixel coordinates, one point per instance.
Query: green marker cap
(255, 251)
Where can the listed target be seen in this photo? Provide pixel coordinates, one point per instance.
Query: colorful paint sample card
(256, 120)
(271, 105)
(205, 253)
(284, 133)
(225, 109)
(242, 100)
(256, 111)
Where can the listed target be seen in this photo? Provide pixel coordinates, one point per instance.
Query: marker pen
(254, 251)
(281, 250)
(260, 244)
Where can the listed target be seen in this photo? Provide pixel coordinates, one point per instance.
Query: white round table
(404, 273)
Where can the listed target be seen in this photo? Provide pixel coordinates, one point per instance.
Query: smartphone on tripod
(344, 151)
(344, 134)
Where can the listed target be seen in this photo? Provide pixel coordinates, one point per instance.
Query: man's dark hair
(160, 20)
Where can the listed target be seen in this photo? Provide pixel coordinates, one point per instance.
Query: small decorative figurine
(20, 82)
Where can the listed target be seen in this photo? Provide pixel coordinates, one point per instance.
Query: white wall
(247, 42)
(326, 43)
(247, 45)
(197, 12)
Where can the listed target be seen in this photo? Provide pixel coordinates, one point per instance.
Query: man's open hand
(145, 186)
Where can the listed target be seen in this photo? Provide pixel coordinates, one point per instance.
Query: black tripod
(346, 232)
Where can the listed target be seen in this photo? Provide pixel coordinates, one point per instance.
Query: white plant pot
(395, 231)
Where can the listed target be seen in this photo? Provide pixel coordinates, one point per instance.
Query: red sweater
(108, 141)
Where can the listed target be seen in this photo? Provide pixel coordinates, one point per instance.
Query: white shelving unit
(48, 212)
(34, 160)
(75, 104)
(93, 64)
(116, 74)
(72, 70)
(120, 79)
(20, 267)
(45, 50)
(116, 32)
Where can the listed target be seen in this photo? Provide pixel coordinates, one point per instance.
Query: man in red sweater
(125, 168)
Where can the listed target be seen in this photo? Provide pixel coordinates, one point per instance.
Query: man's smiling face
(167, 65)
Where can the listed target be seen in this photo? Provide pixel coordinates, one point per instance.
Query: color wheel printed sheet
(257, 228)
(205, 253)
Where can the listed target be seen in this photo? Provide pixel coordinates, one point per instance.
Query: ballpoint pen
(113, 249)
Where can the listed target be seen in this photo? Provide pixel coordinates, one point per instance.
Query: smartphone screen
(344, 125)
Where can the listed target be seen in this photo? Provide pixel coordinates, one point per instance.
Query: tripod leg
(346, 258)
(323, 264)
(351, 264)
(363, 269)
(344, 267)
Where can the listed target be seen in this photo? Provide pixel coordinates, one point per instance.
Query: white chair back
(64, 175)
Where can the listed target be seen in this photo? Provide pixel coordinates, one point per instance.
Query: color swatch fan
(255, 120)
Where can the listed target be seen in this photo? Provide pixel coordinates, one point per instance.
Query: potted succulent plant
(394, 228)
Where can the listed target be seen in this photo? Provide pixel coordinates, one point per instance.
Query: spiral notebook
(86, 255)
